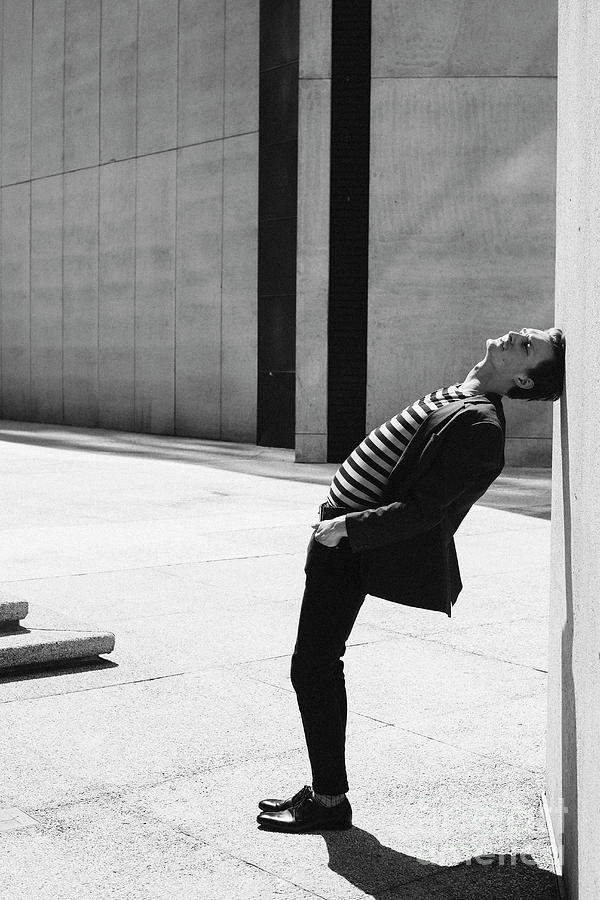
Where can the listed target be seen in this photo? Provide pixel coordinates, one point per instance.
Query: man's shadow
(377, 870)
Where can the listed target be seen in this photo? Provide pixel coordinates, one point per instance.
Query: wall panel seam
(176, 223)
(223, 98)
(30, 194)
(98, 220)
(111, 162)
(135, 191)
(1, 208)
(62, 248)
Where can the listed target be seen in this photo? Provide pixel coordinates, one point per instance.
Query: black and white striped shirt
(360, 481)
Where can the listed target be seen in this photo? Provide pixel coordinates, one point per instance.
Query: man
(387, 529)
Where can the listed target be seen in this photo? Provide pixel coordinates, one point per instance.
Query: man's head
(531, 362)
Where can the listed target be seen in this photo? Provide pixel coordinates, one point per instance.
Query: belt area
(331, 512)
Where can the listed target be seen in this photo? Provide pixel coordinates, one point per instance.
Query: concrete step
(12, 611)
(32, 647)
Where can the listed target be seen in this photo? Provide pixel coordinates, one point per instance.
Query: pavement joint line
(429, 640)
(466, 750)
(200, 562)
(185, 562)
(95, 687)
(118, 794)
(247, 862)
(362, 715)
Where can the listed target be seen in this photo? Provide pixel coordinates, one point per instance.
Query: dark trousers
(332, 599)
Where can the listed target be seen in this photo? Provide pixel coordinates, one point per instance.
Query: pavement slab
(481, 704)
(434, 810)
(106, 849)
(143, 732)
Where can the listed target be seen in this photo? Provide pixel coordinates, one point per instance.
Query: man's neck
(483, 380)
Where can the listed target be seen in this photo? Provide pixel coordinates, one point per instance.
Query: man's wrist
(342, 527)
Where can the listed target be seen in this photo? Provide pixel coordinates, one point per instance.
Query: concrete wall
(573, 748)
(129, 214)
(462, 196)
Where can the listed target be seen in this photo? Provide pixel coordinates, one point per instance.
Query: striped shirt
(360, 481)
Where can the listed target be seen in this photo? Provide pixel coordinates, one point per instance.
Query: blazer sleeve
(468, 462)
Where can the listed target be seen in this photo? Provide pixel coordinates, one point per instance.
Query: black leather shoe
(308, 815)
(279, 805)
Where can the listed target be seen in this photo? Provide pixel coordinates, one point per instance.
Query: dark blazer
(406, 544)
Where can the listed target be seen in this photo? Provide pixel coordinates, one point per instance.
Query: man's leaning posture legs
(332, 599)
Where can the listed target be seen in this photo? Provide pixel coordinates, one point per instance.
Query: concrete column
(312, 282)
(573, 749)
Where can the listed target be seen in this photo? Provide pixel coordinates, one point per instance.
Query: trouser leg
(332, 599)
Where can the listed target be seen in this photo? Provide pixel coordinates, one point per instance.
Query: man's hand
(330, 531)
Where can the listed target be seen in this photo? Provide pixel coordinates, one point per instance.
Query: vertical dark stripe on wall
(349, 225)
(277, 221)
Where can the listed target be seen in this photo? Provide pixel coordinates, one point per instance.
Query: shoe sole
(343, 826)
(274, 808)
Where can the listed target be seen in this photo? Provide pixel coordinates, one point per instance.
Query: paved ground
(141, 773)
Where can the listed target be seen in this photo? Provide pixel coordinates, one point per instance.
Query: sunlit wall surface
(573, 745)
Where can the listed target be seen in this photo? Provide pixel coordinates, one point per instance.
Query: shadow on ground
(380, 871)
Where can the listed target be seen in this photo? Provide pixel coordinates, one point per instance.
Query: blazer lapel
(421, 448)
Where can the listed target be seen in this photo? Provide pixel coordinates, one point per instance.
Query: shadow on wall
(569, 710)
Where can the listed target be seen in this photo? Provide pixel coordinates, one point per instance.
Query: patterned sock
(329, 800)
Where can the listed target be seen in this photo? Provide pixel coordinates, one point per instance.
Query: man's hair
(549, 376)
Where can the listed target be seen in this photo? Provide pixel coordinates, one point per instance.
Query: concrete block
(464, 38)
(199, 267)
(315, 39)
(118, 79)
(80, 298)
(157, 76)
(116, 295)
(12, 610)
(462, 219)
(16, 90)
(82, 83)
(312, 281)
(15, 301)
(201, 71)
(33, 647)
(48, 88)
(241, 67)
(239, 328)
(155, 294)
(47, 299)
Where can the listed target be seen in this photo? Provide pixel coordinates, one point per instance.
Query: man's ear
(523, 381)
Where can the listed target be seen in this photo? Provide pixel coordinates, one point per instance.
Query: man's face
(517, 352)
